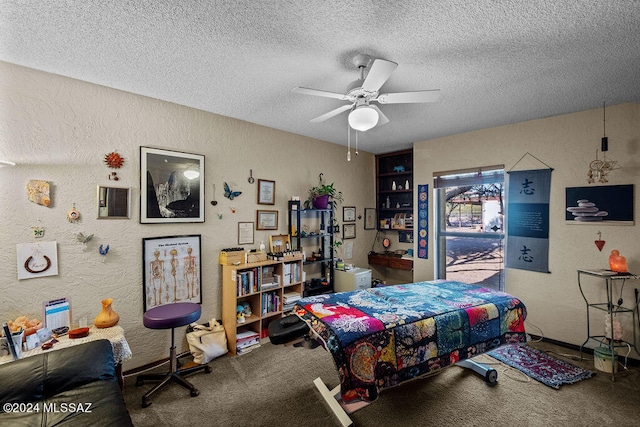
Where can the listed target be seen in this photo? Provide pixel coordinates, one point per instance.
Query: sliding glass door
(469, 244)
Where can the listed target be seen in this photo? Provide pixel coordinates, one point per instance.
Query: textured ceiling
(496, 62)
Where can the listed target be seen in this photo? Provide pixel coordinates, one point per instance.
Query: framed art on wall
(266, 220)
(369, 218)
(348, 214)
(348, 231)
(266, 192)
(171, 270)
(245, 233)
(611, 204)
(171, 186)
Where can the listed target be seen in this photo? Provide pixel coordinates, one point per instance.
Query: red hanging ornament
(600, 243)
(114, 160)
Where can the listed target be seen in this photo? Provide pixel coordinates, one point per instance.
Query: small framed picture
(266, 192)
(369, 218)
(266, 220)
(348, 214)
(245, 233)
(348, 231)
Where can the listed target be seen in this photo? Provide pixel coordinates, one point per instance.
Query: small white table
(114, 334)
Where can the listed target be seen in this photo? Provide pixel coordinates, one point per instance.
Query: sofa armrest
(39, 377)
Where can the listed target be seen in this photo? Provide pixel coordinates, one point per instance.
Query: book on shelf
(247, 282)
(291, 297)
(270, 302)
(272, 285)
(247, 349)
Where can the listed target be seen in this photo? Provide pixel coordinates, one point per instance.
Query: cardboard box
(231, 257)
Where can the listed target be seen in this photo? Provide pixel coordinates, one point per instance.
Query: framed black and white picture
(348, 214)
(171, 186)
(171, 270)
(266, 192)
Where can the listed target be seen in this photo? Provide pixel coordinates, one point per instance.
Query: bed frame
(420, 327)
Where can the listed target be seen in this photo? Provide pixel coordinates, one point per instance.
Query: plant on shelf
(321, 194)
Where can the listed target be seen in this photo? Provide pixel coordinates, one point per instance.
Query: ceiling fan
(362, 92)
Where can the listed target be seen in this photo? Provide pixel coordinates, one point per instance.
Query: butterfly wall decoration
(230, 194)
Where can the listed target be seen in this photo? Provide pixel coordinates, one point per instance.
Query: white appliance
(352, 280)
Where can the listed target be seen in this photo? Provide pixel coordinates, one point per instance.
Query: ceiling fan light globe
(363, 118)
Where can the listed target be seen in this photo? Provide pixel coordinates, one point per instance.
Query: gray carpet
(273, 386)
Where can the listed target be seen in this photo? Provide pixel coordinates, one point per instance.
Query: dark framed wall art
(612, 204)
(171, 186)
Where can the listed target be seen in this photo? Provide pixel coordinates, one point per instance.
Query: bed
(382, 337)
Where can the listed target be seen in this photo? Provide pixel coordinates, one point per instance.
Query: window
(469, 241)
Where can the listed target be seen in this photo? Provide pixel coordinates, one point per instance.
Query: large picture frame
(171, 270)
(171, 186)
(610, 204)
(266, 220)
(266, 192)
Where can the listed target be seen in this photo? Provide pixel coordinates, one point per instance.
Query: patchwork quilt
(382, 337)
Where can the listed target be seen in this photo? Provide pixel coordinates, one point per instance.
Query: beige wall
(59, 129)
(568, 144)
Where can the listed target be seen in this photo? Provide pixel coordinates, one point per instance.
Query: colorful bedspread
(382, 337)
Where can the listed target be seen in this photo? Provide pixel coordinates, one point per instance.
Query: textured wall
(568, 144)
(59, 129)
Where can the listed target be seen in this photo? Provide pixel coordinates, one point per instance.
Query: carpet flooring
(273, 386)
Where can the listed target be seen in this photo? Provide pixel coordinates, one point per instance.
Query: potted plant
(322, 193)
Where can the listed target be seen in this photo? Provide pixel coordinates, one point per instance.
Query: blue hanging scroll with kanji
(528, 220)
(423, 221)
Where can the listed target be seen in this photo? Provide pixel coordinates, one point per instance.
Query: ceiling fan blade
(315, 92)
(378, 74)
(332, 113)
(409, 97)
(382, 119)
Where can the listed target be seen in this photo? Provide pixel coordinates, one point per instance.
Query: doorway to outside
(469, 226)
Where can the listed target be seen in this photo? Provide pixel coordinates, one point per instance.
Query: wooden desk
(115, 335)
(390, 261)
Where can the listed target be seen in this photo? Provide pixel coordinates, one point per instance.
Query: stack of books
(269, 280)
(289, 299)
(247, 341)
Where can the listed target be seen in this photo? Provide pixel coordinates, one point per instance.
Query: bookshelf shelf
(243, 284)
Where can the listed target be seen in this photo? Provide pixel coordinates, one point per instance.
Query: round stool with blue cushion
(171, 316)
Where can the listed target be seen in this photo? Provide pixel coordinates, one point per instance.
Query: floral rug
(539, 365)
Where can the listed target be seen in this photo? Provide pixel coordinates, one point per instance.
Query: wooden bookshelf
(244, 283)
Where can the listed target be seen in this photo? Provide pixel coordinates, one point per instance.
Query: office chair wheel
(208, 370)
(194, 392)
(146, 401)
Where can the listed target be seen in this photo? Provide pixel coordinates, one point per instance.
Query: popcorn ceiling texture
(64, 127)
(496, 62)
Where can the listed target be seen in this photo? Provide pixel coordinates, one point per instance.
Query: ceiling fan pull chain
(356, 142)
(348, 143)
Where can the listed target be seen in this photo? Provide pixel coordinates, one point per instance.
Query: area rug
(539, 365)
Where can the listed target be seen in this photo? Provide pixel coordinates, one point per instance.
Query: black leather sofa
(73, 386)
